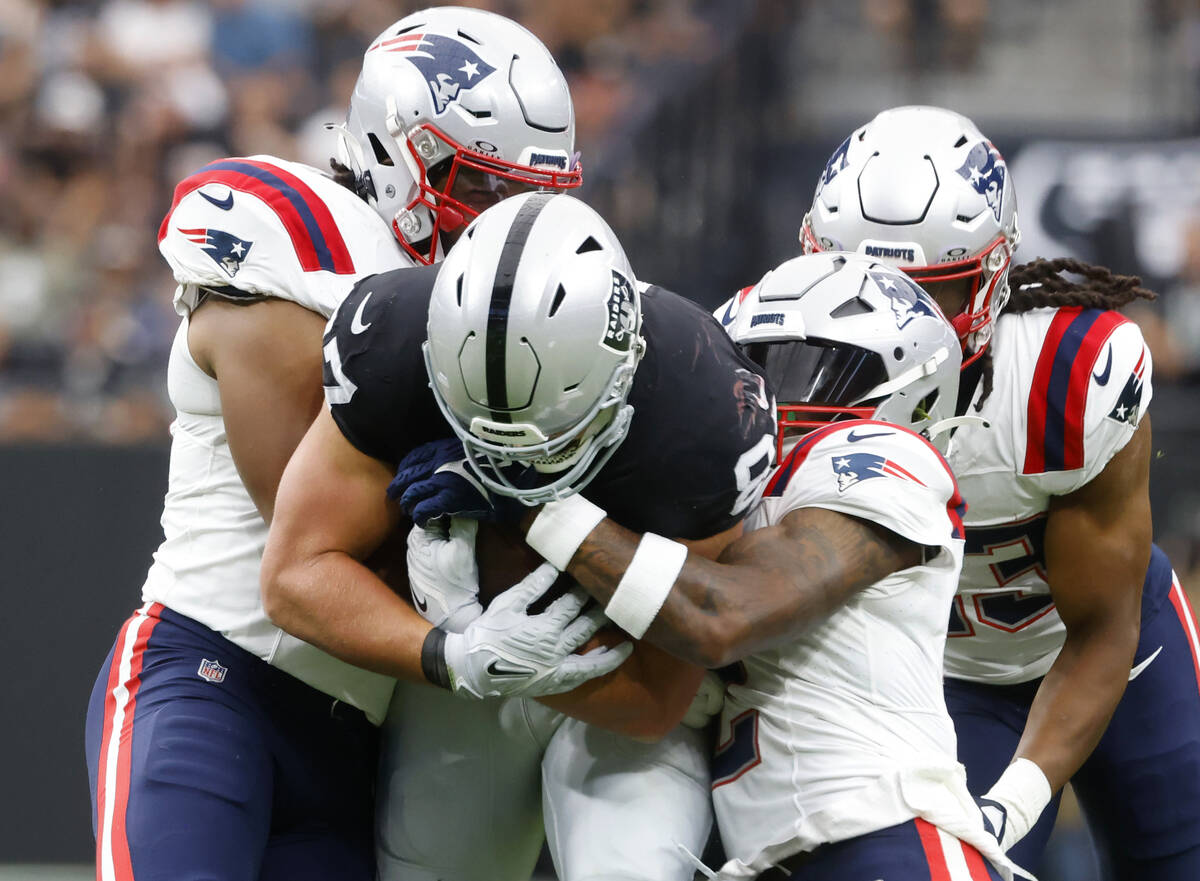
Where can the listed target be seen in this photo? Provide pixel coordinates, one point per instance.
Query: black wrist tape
(433, 658)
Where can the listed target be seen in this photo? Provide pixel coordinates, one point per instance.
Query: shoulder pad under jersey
(272, 228)
(1087, 391)
(878, 471)
(375, 380)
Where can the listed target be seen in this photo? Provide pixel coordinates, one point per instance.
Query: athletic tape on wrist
(433, 658)
(646, 582)
(561, 527)
(1024, 790)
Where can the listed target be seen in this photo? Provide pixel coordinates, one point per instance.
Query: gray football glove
(507, 651)
(443, 575)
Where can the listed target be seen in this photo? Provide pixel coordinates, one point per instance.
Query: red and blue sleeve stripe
(1058, 396)
(779, 480)
(315, 236)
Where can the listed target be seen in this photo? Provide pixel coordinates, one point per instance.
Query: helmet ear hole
(925, 406)
(381, 154)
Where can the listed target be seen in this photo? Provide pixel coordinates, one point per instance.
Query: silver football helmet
(843, 336)
(451, 92)
(922, 189)
(533, 338)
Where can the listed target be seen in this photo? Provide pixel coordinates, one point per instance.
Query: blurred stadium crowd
(106, 104)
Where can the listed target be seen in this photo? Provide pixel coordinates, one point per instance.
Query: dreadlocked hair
(1040, 283)
(351, 181)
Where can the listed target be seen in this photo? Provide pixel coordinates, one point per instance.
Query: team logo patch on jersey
(226, 249)
(908, 300)
(985, 171)
(621, 327)
(856, 467)
(212, 671)
(449, 66)
(1129, 404)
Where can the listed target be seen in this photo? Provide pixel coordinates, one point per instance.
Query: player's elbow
(278, 585)
(717, 643)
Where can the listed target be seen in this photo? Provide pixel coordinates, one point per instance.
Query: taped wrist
(561, 527)
(644, 587)
(1024, 791)
(433, 659)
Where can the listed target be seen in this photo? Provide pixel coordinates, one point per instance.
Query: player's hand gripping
(434, 481)
(506, 651)
(443, 575)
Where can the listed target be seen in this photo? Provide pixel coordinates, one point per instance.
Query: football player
(1072, 652)
(219, 746)
(538, 300)
(836, 755)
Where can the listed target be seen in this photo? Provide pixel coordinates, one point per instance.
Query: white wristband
(646, 582)
(561, 527)
(1024, 791)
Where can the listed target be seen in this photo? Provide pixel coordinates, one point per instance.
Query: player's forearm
(338, 605)
(1077, 698)
(644, 698)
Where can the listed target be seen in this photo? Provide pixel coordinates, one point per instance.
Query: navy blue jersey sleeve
(702, 439)
(375, 380)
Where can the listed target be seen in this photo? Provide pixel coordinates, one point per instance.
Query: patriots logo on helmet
(1128, 408)
(854, 468)
(836, 162)
(985, 171)
(908, 300)
(226, 249)
(448, 65)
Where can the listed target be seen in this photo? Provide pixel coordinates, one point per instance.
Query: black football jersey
(700, 443)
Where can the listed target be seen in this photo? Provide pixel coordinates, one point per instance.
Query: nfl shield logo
(212, 670)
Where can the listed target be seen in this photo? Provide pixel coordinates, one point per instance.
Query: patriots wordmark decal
(908, 300)
(1129, 404)
(854, 468)
(985, 171)
(449, 66)
(226, 249)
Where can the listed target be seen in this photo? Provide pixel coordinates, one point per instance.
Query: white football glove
(507, 651)
(708, 702)
(443, 576)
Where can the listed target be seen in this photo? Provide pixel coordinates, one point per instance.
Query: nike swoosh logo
(419, 601)
(500, 668)
(853, 438)
(1137, 671)
(356, 323)
(728, 316)
(1102, 379)
(224, 204)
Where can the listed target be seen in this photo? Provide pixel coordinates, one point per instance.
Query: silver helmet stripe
(496, 351)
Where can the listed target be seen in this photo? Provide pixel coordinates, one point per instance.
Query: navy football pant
(1140, 788)
(208, 764)
(912, 851)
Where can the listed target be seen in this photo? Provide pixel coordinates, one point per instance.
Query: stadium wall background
(79, 524)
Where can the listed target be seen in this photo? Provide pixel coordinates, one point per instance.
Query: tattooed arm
(765, 588)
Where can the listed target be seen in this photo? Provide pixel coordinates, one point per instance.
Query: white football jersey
(1069, 388)
(273, 228)
(844, 730)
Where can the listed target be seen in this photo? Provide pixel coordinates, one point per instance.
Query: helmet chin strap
(952, 422)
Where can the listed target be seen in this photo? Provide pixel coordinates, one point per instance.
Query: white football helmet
(922, 189)
(843, 336)
(533, 338)
(451, 91)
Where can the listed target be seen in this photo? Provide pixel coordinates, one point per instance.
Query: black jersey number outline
(1017, 549)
